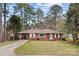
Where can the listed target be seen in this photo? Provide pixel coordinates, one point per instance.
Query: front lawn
(47, 48)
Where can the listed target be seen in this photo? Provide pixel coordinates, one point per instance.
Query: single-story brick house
(40, 34)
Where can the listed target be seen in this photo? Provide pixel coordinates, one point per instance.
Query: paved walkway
(8, 50)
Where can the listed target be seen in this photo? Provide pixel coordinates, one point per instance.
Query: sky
(46, 6)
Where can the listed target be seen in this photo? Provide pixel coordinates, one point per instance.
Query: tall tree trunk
(1, 32)
(75, 31)
(22, 19)
(38, 23)
(5, 21)
(54, 23)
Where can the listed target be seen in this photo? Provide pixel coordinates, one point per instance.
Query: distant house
(40, 34)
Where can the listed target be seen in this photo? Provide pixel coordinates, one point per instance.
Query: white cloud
(48, 4)
(44, 4)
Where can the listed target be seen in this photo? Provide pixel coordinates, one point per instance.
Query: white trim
(34, 35)
(30, 35)
(58, 35)
(51, 37)
(54, 35)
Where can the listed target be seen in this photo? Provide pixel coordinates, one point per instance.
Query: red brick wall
(36, 36)
(47, 36)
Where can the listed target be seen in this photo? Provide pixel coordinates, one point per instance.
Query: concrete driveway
(8, 50)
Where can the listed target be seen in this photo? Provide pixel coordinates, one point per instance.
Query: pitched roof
(39, 31)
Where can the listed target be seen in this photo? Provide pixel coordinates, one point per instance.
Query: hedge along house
(40, 34)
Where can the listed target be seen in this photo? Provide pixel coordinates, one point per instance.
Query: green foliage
(72, 22)
(14, 23)
(26, 13)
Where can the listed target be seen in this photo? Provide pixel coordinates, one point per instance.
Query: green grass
(47, 48)
(6, 43)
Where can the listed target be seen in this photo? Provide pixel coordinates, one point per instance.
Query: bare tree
(1, 22)
(5, 21)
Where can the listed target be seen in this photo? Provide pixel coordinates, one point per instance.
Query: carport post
(20, 36)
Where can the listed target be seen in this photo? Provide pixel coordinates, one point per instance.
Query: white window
(58, 35)
(51, 37)
(54, 35)
(30, 35)
(33, 35)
